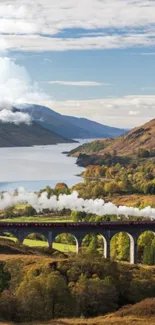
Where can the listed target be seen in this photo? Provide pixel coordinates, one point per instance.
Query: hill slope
(70, 127)
(125, 145)
(12, 135)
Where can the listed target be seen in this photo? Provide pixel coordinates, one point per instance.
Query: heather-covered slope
(125, 145)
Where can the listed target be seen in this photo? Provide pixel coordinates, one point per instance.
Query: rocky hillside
(125, 145)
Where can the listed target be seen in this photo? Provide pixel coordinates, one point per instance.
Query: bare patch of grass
(145, 308)
(107, 320)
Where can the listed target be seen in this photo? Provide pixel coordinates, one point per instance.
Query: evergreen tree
(146, 255)
(152, 252)
(92, 248)
(123, 246)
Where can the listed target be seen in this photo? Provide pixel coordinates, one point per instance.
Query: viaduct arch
(79, 230)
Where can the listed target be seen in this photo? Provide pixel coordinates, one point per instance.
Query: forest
(39, 288)
(134, 178)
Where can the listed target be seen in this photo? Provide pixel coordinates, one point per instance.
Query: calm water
(36, 167)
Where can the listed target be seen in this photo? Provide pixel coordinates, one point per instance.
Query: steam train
(74, 224)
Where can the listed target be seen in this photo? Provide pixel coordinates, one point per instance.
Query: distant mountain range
(70, 127)
(49, 127)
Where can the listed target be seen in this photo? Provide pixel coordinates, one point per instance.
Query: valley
(77, 162)
(123, 180)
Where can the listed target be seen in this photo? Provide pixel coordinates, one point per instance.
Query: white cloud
(47, 60)
(12, 11)
(10, 26)
(148, 53)
(8, 116)
(111, 111)
(16, 19)
(134, 113)
(16, 88)
(50, 17)
(40, 43)
(78, 83)
(4, 45)
(60, 14)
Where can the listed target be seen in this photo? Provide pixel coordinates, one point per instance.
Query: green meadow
(41, 243)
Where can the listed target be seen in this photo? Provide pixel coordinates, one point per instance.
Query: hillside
(125, 145)
(107, 320)
(12, 135)
(116, 292)
(68, 126)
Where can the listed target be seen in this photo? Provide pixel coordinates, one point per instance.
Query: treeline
(60, 188)
(107, 159)
(119, 179)
(84, 286)
(94, 146)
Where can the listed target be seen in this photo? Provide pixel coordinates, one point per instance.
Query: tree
(4, 278)
(61, 188)
(58, 299)
(143, 153)
(152, 253)
(149, 254)
(92, 248)
(122, 246)
(149, 188)
(42, 297)
(29, 211)
(78, 216)
(149, 176)
(9, 212)
(8, 306)
(103, 297)
(112, 188)
(94, 296)
(127, 184)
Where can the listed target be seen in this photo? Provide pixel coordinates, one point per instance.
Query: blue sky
(126, 72)
(91, 58)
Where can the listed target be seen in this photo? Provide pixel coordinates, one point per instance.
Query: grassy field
(107, 320)
(65, 248)
(38, 219)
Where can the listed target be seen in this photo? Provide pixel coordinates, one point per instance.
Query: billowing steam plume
(72, 202)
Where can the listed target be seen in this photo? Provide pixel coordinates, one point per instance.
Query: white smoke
(16, 88)
(72, 202)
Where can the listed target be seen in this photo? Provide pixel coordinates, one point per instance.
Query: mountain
(70, 127)
(125, 145)
(12, 135)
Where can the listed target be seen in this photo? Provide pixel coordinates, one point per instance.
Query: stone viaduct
(79, 230)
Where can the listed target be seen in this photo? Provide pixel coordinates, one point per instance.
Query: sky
(89, 58)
